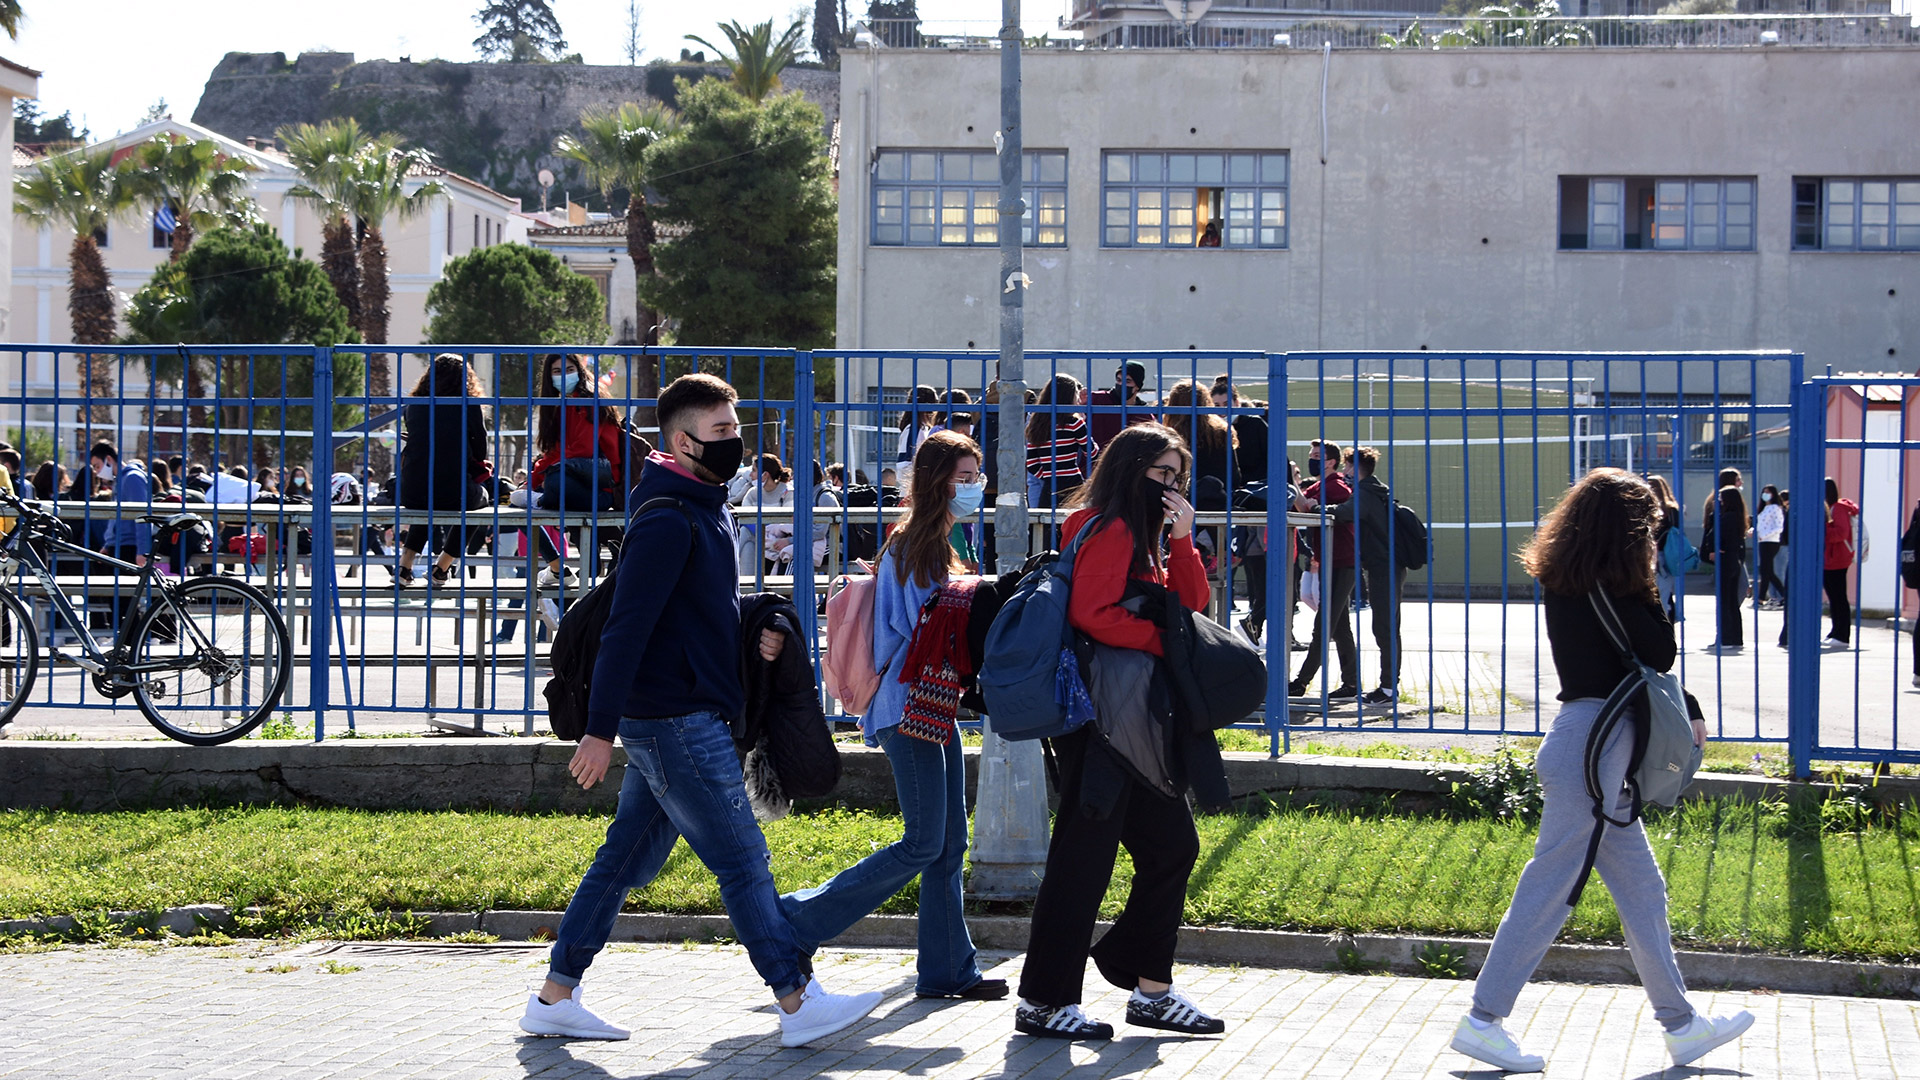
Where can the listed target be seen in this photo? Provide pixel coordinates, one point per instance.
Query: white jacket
(1772, 523)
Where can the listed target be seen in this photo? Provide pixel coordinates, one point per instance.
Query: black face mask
(1313, 466)
(721, 457)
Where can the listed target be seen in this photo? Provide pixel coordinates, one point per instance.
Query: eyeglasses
(1170, 476)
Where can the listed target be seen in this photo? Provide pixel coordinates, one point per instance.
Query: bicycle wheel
(240, 653)
(19, 655)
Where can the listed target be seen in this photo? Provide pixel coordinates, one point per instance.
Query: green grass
(1836, 879)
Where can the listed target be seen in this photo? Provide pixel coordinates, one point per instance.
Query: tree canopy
(749, 183)
(511, 294)
(518, 30)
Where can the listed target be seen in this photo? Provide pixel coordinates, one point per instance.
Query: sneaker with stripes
(1172, 1012)
(1058, 1022)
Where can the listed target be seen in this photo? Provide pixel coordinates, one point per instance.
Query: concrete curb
(1213, 946)
(520, 775)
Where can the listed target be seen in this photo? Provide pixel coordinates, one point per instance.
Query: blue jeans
(932, 782)
(683, 779)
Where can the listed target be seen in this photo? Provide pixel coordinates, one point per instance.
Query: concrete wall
(1433, 222)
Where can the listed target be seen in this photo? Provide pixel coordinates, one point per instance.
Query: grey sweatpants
(1625, 864)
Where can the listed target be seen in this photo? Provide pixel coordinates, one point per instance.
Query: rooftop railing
(1284, 31)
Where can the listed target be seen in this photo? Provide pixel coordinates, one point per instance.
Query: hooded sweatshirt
(671, 644)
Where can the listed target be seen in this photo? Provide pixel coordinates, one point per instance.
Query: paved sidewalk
(698, 1011)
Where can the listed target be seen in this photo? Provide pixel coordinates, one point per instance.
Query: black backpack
(863, 541)
(576, 644)
(1411, 544)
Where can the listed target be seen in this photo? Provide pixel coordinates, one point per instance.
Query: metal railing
(1478, 444)
(1314, 30)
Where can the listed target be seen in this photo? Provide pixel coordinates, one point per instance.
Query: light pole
(1010, 822)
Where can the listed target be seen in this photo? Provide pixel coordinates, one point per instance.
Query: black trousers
(1158, 833)
(450, 539)
(1256, 567)
(1838, 605)
(1732, 576)
(1383, 592)
(1336, 609)
(1769, 578)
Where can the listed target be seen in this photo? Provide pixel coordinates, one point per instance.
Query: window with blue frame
(1856, 213)
(951, 198)
(1151, 199)
(1647, 213)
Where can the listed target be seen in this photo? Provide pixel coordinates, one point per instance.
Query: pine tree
(504, 22)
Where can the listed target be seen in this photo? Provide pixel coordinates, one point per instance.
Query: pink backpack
(846, 670)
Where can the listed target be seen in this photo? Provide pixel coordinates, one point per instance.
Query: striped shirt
(1061, 458)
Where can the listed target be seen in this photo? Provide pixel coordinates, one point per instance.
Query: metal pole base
(1010, 823)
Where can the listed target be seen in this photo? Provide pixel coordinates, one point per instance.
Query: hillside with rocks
(494, 122)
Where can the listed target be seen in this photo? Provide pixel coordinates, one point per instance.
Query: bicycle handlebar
(31, 514)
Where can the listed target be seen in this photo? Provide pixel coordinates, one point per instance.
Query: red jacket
(1336, 491)
(1100, 575)
(579, 439)
(1840, 551)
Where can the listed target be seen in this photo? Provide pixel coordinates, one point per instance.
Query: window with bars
(1856, 213)
(1645, 213)
(1223, 200)
(951, 198)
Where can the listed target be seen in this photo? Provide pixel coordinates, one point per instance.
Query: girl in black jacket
(442, 460)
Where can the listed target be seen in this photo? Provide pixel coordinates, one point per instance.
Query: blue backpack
(1024, 669)
(1678, 556)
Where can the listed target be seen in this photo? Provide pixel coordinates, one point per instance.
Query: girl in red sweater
(1137, 490)
(584, 431)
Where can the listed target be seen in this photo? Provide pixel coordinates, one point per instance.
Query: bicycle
(206, 660)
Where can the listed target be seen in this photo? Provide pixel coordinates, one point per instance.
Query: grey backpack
(1664, 755)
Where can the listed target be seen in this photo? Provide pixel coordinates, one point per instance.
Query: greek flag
(163, 218)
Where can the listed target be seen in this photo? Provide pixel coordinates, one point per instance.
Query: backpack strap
(1615, 709)
(655, 503)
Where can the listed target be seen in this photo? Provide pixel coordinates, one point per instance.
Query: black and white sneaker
(1059, 1022)
(1172, 1012)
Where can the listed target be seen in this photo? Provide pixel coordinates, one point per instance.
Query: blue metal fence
(1478, 444)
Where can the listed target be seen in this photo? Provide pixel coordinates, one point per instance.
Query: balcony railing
(1283, 31)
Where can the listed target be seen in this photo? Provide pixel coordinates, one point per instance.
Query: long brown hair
(1119, 493)
(921, 551)
(1669, 506)
(449, 375)
(1600, 536)
(589, 387)
(1214, 430)
(1063, 389)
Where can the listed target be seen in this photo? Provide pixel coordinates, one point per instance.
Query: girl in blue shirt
(931, 776)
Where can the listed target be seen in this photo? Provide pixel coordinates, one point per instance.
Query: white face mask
(103, 470)
(1764, 497)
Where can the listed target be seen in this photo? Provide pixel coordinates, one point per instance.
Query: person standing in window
(1059, 446)
(1770, 528)
(1842, 514)
(1723, 542)
(1135, 493)
(1598, 540)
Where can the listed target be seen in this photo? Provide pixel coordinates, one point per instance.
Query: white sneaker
(548, 579)
(1723, 650)
(1494, 1046)
(1835, 645)
(568, 1019)
(821, 1014)
(1701, 1035)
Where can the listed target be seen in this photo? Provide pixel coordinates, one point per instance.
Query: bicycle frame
(23, 552)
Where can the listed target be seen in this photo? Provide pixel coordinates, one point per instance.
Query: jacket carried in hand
(782, 720)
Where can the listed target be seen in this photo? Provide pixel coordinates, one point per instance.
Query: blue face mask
(566, 383)
(967, 499)
(1313, 466)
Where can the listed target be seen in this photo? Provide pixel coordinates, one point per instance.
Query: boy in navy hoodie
(667, 682)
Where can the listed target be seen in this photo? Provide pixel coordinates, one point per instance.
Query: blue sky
(108, 60)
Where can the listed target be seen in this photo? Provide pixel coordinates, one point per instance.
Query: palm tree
(611, 150)
(202, 187)
(377, 191)
(10, 18)
(323, 155)
(84, 191)
(757, 58)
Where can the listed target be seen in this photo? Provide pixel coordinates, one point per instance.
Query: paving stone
(700, 1014)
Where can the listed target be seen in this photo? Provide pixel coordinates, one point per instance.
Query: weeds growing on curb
(1440, 960)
